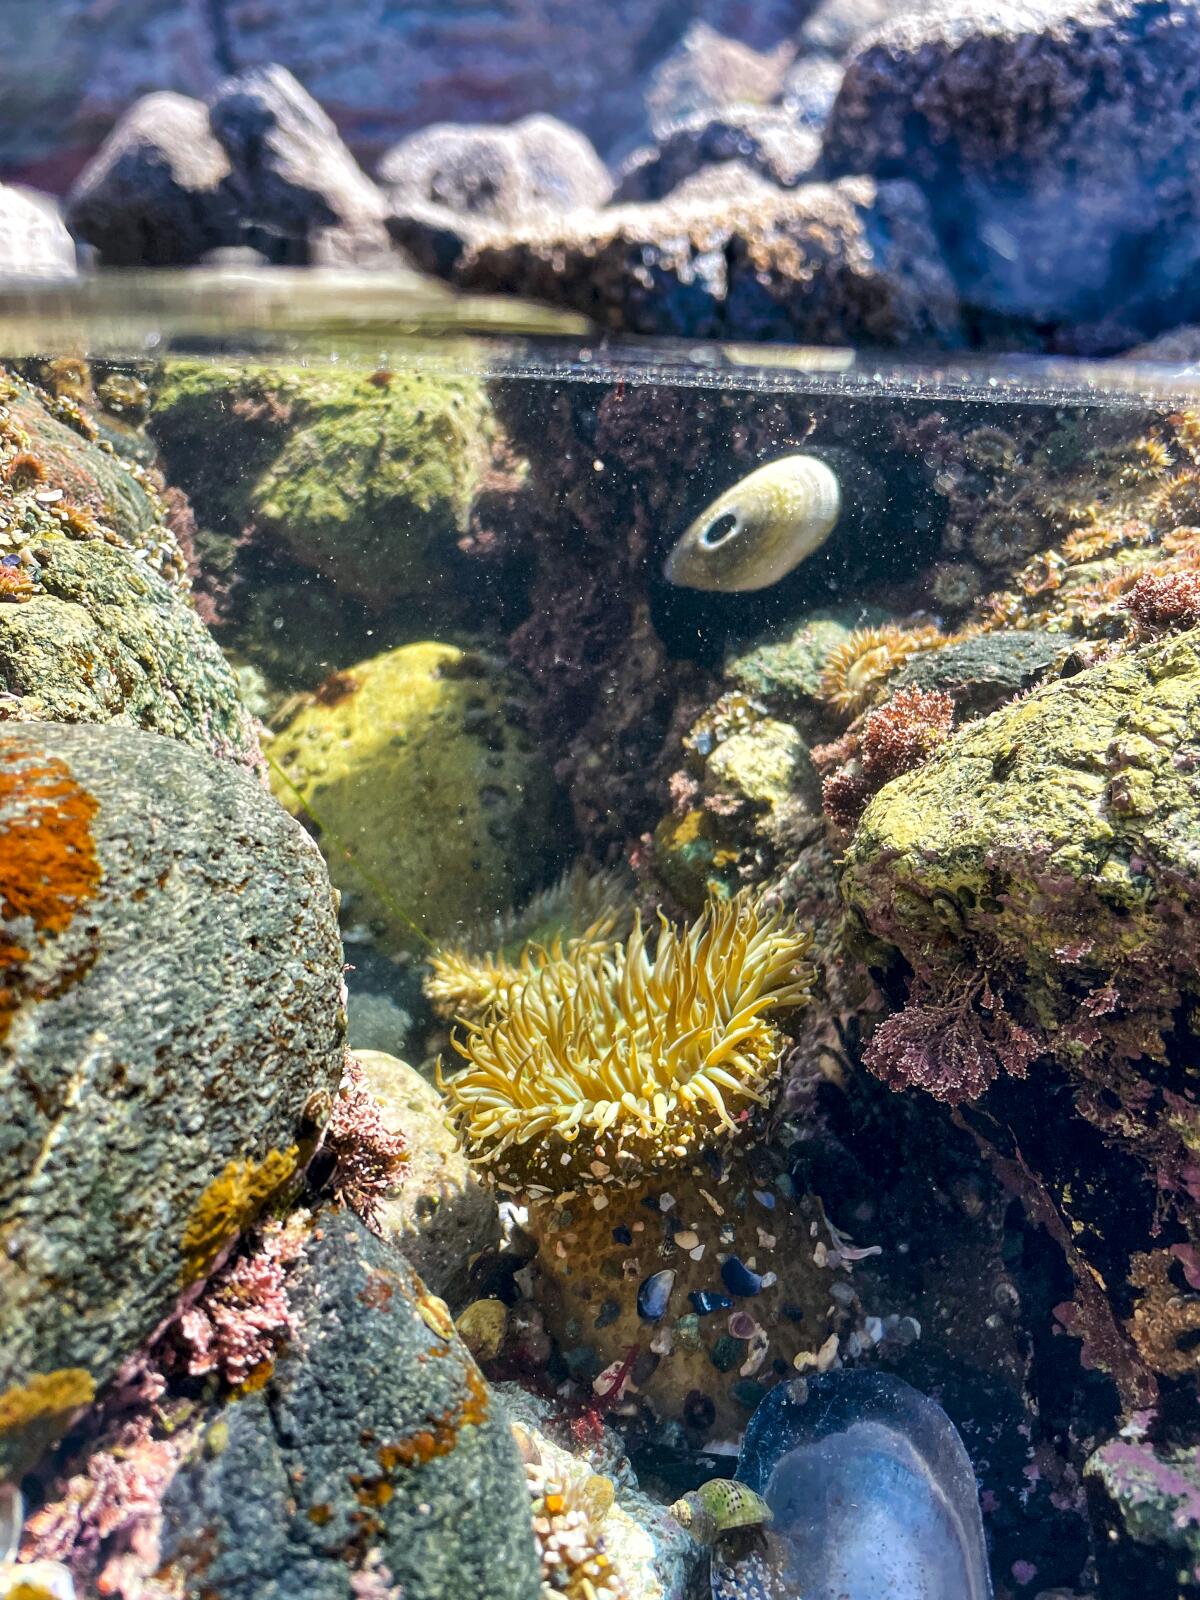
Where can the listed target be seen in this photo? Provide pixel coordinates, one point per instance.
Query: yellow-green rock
(1053, 847)
(366, 477)
(432, 802)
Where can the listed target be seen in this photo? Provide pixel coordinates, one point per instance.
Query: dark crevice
(218, 24)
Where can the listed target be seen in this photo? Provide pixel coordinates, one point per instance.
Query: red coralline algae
(903, 733)
(952, 1043)
(116, 1502)
(894, 738)
(241, 1318)
(367, 1157)
(1162, 601)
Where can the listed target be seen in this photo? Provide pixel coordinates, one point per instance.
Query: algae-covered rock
(374, 1461)
(366, 478)
(58, 476)
(784, 668)
(170, 973)
(980, 674)
(434, 803)
(440, 1215)
(1149, 1495)
(104, 639)
(1051, 849)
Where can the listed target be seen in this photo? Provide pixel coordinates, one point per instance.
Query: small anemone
(859, 667)
(609, 1063)
(24, 470)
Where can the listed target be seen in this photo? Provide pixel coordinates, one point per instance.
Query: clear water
(468, 510)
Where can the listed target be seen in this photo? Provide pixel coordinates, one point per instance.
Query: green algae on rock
(103, 638)
(1043, 859)
(170, 973)
(436, 803)
(367, 478)
(374, 1455)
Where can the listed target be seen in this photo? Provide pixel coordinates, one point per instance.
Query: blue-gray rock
(301, 195)
(450, 177)
(707, 72)
(769, 140)
(374, 1455)
(170, 976)
(1055, 140)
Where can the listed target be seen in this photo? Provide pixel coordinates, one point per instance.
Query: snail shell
(718, 1506)
(760, 528)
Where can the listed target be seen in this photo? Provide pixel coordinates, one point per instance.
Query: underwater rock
(59, 475)
(981, 673)
(784, 667)
(104, 639)
(848, 262)
(872, 1493)
(439, 1215)
(367, 482)
(34, 242)
(1149, 1495)
(170, 1002)
(442, 181)
(301, 195)
(1054, 143)
(1043, 856)
(157, 192)
(707, 72)
(373, 1454)
(414, 737)
(768, 141)
(652, 1558)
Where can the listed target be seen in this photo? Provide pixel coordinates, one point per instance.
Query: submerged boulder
(439, 1215)
(1039, 873)
(366, 478)
(373, 1461)
(170, 977)
(102, 638)
(418, 767)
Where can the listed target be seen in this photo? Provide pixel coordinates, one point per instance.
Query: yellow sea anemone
(583, 910)
(609, 1063)
(859, 667)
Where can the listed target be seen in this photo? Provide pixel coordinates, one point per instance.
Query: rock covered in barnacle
(870, 1490)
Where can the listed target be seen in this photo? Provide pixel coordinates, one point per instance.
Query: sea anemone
(16, 582)
(582, 911)
(859, 667)
(610, 1063)
(25, 470)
